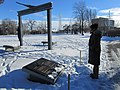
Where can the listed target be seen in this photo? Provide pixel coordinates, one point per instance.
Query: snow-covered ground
(67, 52)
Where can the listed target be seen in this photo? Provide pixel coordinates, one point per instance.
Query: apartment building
(104, 24)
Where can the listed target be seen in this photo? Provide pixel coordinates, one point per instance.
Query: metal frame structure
(34, 9)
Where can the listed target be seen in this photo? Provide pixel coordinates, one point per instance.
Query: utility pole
(70, 23)
(109, 21)
(60, 24)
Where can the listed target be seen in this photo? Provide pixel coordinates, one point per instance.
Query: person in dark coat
(94, 50)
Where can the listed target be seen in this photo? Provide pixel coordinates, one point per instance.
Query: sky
(63, 8)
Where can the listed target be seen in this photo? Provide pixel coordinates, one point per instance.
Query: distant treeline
(113, 33)
(10, 27)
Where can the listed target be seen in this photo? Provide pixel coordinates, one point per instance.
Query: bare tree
(75, 28)
(25, 28)
(80, 11)
(41, 27)
(90, 14)
(66, 28)
(83, 15)
(1, 31)
(31, 24)
(34, 27)
(8, 26)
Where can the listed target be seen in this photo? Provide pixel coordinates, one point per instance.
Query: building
(104, 24)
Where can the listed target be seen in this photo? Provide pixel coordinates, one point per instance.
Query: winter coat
(94, 48)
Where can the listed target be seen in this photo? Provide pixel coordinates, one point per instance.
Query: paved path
(114, 58)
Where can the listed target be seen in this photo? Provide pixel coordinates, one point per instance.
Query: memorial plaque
(44, 71)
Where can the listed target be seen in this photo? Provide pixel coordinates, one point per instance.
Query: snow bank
(66, 52)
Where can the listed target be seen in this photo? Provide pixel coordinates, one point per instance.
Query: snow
(66, 52)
